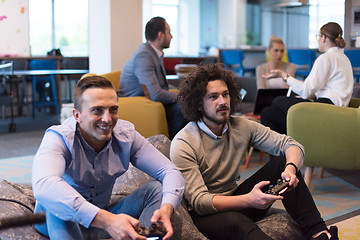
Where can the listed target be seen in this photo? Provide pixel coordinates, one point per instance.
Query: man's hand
(162, 218)
(260, 200)
(289, 174)
(119, 226)
(294, 156)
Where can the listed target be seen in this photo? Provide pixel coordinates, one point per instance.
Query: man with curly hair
(208, 152)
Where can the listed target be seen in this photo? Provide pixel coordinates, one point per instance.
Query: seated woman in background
(330, 80)
(276, 52)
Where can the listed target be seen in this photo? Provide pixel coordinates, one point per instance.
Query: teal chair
(329, 134)
(42, 81)
(303, 59)
(233, 59)
(354, 57)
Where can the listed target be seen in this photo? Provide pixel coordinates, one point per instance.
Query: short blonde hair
(275, 39)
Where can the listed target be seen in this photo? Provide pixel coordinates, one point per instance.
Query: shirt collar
(335, 49)
(207, 130)
(158, 52)
(83, 141)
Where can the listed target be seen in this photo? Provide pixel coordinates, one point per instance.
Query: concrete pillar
(115, 31)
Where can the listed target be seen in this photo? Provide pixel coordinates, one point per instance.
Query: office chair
(284, 58)
(233, 59)
(20, 83)
(303, 59)
(328, 133)
(354, 57)
(6, 96)
(43, 80)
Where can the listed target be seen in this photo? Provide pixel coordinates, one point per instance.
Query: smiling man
(208, 152)
(78, 162)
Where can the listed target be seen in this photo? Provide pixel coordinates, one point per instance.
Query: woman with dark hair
(330, 80)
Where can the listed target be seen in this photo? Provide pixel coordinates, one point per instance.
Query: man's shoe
(322, 236)
(333, 232)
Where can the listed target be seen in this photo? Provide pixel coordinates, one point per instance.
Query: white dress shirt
(331, 77)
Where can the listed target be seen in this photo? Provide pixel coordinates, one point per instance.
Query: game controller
(153, 232)
(280, 187)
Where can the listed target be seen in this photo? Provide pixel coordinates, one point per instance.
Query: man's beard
(218, 121)
(165, 45)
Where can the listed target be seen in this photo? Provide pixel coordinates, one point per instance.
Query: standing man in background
(144, 73)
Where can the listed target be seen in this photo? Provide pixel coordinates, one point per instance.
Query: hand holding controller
(280, 187)
(152, 231)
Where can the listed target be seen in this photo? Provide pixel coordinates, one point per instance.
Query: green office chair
(329, 134)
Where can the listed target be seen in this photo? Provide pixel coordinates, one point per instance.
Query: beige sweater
(211, 166)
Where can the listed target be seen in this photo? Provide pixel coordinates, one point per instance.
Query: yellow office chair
(284, 58)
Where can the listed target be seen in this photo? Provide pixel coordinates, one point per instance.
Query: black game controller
(152, 232)
(280, 187)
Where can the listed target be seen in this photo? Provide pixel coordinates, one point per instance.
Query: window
(322, 12)
(168, 9)
(183, 16)
(66, 29)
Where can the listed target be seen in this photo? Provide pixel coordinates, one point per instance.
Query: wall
(126, 29)
(290, 24)
(99, 36)
(115, 30)
(208, 22)
(227, 23)
(14, 28)
(189, 29)
(352, 30)
(355, 28)
(231, 23)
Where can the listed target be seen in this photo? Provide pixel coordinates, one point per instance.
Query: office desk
(10, 74)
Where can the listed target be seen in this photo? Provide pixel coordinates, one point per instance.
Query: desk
(10, 74)
(174, 81)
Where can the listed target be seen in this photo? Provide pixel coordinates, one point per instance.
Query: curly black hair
(193, 89)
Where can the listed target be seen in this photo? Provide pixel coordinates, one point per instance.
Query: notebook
(264, 97)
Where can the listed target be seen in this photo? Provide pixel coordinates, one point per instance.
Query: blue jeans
(140, 204)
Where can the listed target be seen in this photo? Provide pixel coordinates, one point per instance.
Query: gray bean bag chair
(18, 200)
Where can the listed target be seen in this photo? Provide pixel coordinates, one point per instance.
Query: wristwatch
(286, 78)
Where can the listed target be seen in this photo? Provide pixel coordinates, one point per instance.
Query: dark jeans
(274, 116)
(241, 224)
(175, 119)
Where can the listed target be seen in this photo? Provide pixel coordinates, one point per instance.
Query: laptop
(264, 97)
